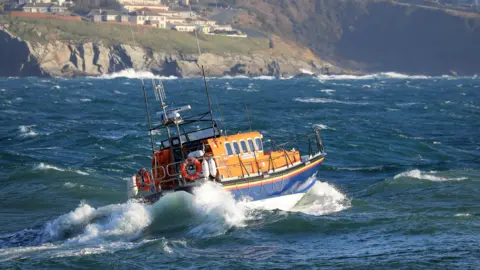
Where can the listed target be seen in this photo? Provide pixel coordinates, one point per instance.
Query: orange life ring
(188, 166)
(142, 179)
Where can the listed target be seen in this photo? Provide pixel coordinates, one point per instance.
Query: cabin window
(228, 148)
(251, 145)
(244, 146)
(258, 143)
(236, 148)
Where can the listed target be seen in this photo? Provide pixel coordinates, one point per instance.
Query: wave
(328, 91)
(72, 185)
(327, 100)
(228, 77)
(322, 199)
(85, 100)
(212, 210)
(382, 75)
(27, 131)
(44, 166)
(463, 215)
(133, 74)
(429, 176)
(322, 126)
(306, 71)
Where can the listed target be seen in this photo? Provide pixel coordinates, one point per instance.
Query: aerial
(241, 134)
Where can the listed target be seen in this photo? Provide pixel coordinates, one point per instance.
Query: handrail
(167, 173)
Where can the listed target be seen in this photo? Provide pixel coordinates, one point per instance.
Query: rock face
(374, 35)
(16, 59)
(67, 59)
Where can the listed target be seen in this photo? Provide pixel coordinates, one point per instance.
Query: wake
(211, 211)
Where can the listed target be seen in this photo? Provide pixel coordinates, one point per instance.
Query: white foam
(322, 126)
(328, 100)
(27, 131)
(85, 100)
(44, 166)
(133, 74)
(269, 78)
(306, 71)
(72, 185)
(213, 209)
(328, 91)
(98, 225)
(217, 209)
(430, 176)
(463, 215)
(228, 77)
(377, 76)
(322, 199)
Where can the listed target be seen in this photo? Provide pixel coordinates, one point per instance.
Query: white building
(133, 7)
(141, 2)
(184, 27)
(148, 17)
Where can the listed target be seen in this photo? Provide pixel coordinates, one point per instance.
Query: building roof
(175, 18)
(39, 5)
(146, 12)
(184, 25)
(105, 12)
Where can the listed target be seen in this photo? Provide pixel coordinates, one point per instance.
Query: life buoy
(143, 180)
(191, 168)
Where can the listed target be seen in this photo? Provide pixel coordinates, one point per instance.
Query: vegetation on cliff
(47, 30)
(76, 48)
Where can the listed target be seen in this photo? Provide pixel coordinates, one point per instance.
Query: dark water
(400, 187)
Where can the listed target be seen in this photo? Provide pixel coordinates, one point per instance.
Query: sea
(399, 188)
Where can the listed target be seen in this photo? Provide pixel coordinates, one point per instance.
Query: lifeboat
(195, 150)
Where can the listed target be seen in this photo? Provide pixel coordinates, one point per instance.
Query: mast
(209, 102)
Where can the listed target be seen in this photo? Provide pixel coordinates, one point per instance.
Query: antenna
(209, 102)
(221, 116)
(248, 117)
(196, 37)
(145, 97)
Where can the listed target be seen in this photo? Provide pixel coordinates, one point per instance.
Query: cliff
(62, 48)
(374, 35)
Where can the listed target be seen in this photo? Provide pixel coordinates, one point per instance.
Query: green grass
(47, 30)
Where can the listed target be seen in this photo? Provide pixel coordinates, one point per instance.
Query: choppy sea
(400, 187)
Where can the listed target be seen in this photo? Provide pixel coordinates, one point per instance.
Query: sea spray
(322, 199)
(429, 176)
(133, 74)
(217, 210)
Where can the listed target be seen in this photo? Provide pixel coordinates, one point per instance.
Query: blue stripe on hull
(299, 183)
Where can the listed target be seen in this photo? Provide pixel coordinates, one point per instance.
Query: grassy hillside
(46, 30)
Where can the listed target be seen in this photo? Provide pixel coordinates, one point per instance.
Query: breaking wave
(322, 126)
(27, 131)
(211, 211)
(328, 100)
(382, 75)
(322, 199)
(44, 166)
(133, 74)
(429, 176)
(306, 71)
(328, 91)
